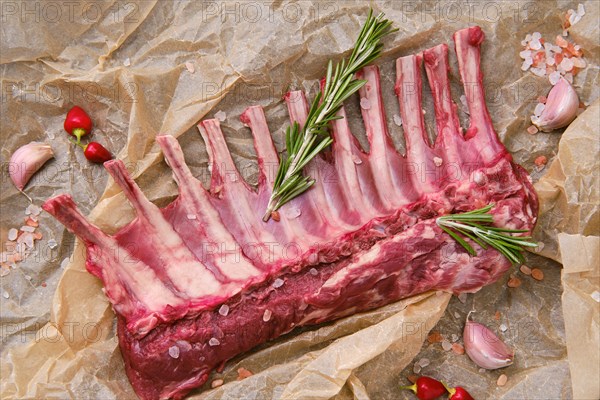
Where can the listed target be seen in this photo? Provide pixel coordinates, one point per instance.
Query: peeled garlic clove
(484, 348)
(26, 161)
(561, 107)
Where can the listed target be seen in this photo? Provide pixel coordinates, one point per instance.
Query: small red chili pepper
(458, 393)
(78, 123)
(427, 388)
(95, 152)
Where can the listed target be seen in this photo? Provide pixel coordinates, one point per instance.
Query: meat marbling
(205, 279)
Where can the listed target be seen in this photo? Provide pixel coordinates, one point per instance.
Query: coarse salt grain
(503, 328)
(397, 120)
(566, 64)
(174, 351)
(190, 67)
(539, 108)
(127, 62)
(424, 362)
(502, 379)
(52, 244)
(365, 103)
(277, 283)
(437, 161)
(27, 228)
(12, 234)
(446, 345)
(524, 54)
(526, 64)
(313, 271)
(267, 315)
(538, 71)
(456, 315)
(220, 115)
(293, 212)
(596, 296)
(454, 338)
(224, 310)
(578, 62)
(5, 294)
(214, 342)
(356, 159)
(554, 77)
(216, 383)
(416, 368)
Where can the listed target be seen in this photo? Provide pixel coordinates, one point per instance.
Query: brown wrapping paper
(149, 67)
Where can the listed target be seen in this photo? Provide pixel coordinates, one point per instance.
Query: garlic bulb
(561, 107)
(26, 161)
(484, 348)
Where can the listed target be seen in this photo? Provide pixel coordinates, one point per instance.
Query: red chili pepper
(95, 152)
(427, 388)
(78, 123)
(458, 393)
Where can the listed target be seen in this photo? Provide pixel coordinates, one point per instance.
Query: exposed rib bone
(204, 234)
(268, 162)
(188, 275)
(132, 286)
(419, 155)
(449, 133)
(468, 42)
(383, 157)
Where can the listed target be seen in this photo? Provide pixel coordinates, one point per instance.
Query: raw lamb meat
(205, 279)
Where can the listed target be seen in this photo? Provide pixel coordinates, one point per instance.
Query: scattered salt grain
(462, 297)
(220, 115)
(525, 269)
(365, 103)
(502, 379)
(5, 294)
(446, 345)
(32, 209)
(540, 247)
(536, 36)
(596, 296)
(580, 9)
(191, 216)
(52, 244)
(538, 71)
(224, 310)
(437, 161)
(454, 338)
(214, 342)
(424, 362)
(216, 383)
(535, 44)
(50, 135)
(28, 277)
(356, 159)
(539, 108)
(554, 77)
(26, 228)
(566, 64)
(578, 62)
(190, 67)
(456, 315)
(277, 283)
(397, 120)
(416, 368)
(127, 62)
(267, 315)
(174, 351)
(293, 212)
(12, 234)
(503, 328)
(526, 64)
(524, 54)
(313, 271)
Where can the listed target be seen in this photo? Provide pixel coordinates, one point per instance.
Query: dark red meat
(205, 279)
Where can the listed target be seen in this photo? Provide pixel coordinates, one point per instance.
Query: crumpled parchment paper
(149, 67)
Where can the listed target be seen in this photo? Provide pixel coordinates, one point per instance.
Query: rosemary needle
(303, 144)
(476, 225)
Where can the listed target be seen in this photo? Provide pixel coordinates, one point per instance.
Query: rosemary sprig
(303, 144)
(476, 225)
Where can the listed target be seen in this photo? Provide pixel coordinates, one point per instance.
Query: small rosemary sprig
(476, 225)
(302, 145)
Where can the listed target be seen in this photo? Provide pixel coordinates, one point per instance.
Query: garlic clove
(561, 107)
(26, 161)
(484, 348)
